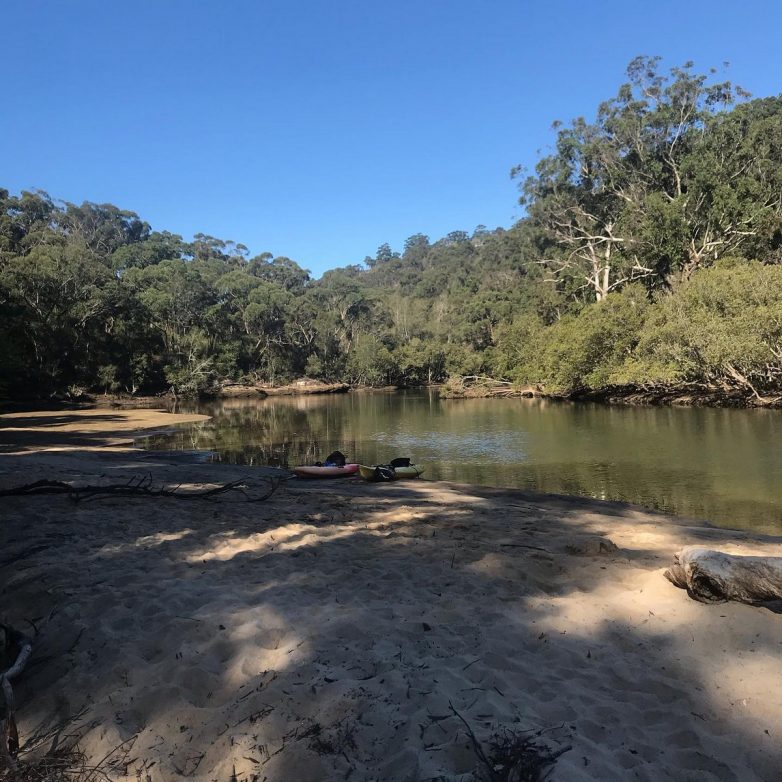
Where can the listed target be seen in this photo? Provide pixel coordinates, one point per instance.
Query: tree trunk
(715, 577)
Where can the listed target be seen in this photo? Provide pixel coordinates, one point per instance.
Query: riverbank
(351, 626)
(680, 396)
(689, 395)
(225, 390)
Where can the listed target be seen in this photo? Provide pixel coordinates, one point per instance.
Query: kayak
(326, 472)
(413, 471)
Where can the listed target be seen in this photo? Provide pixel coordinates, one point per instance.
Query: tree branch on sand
(513, 756)
(51, 753)
(715, 577)
(12, 641)
(139, 486)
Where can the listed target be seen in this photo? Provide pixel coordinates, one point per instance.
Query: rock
(238, 390)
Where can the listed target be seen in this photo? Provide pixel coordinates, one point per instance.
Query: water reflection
(721, 465)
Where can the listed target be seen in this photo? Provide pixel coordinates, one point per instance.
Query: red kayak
(326, 472)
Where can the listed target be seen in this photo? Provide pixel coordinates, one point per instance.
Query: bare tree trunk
(595, 278)
(741, 379)
(606, 271)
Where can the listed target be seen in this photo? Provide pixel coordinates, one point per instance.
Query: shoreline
(684, 396)
(680, 396)
(331, 629)
(125, 428)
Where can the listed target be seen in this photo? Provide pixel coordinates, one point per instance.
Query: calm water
(720, 465)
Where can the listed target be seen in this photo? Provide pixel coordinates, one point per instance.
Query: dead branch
(484, 379)
(9, 737)
(516, 755)
(138, 486)
(476, 745)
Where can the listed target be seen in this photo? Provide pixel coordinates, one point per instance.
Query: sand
(332, 631)
(71, 430)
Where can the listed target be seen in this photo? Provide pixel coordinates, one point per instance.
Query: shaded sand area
(67, 430)
(336, 630)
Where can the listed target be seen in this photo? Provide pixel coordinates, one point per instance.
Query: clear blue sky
(320, 130)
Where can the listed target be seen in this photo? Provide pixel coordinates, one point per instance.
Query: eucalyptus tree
(281, 271)
(174, 297)
(733, 177)
(26, 221)
(101, 228)
(677, 172)
(607, 200)
(59, 292)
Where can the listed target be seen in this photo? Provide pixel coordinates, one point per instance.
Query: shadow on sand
(332, 632)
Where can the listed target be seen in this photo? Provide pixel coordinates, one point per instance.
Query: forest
(648, 257)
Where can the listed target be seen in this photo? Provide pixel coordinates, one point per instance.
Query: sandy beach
(345, 630)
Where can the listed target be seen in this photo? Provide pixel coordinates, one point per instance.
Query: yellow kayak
(369, 473)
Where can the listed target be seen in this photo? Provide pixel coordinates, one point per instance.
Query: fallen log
(138, 486)
(715, 577)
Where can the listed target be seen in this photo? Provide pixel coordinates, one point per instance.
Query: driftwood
(139, 486)
(714, 577)
(9, 738)
(305, 388)
(481, 386)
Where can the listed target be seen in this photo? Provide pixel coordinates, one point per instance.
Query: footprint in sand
(271, 637)
(199, 687)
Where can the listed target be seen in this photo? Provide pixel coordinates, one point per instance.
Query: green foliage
(421, 362)
(371, 362)
(578, 352)
(723, 327)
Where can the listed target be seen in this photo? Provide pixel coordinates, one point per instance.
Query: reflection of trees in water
(273, 432)
(704, 463)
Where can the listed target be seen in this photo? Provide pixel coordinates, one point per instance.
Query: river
(721, 465)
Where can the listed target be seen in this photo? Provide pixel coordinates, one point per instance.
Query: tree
(371, 362)
(148, 251)
(605, 283)
(174, 298)
(102, 228)
(578, 353)
(58, 292)
(421, 362)
(733, 186)
(280, 271)
(265, 322)
(384, 255)
(595, 198)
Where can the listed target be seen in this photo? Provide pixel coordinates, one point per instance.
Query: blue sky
(319, 130)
